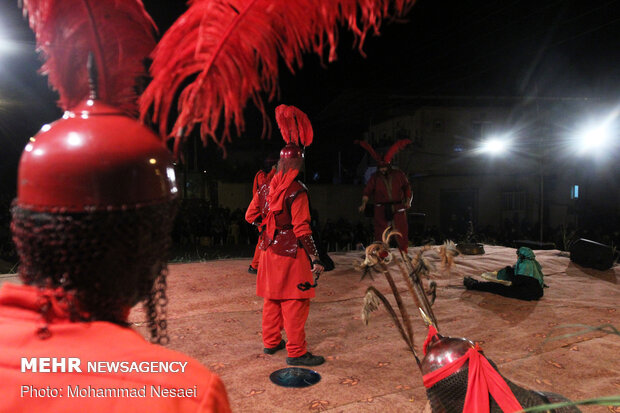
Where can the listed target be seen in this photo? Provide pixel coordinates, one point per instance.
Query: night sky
(448, 48)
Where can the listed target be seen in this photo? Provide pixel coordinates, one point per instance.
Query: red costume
(196, 389)
(281, 209)
(96, 201)
(261, 181)
(391, 194)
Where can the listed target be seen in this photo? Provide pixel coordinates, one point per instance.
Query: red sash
(481, 380)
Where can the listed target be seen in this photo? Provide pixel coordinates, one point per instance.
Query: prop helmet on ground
(96, 189)
(460, 379)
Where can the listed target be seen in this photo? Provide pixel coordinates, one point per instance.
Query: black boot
(273, 350)
(470, 283)
(306, 360)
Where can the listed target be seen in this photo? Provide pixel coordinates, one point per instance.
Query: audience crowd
(201, 225)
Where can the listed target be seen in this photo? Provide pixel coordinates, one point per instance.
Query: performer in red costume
(391, 193)
(290, 257)
(261, 180)
(96, 200)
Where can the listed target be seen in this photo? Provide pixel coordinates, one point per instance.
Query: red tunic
(279, 275)
(196, 389)
(390, 192)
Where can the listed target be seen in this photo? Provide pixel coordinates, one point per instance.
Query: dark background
(524, 48)
(474, 48)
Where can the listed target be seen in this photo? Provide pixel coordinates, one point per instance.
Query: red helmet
(291, 151)
(94, 158)
(296, 130)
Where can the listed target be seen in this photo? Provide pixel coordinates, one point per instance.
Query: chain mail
(448, 395)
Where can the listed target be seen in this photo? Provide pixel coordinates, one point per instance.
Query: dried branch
(372, 300)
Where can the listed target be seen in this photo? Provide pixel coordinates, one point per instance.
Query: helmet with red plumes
(296, 131)
(386, 160)
(95, 158)
(96, 189)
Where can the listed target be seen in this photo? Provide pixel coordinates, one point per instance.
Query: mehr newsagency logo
(76, 365)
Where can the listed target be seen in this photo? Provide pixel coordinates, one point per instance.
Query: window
(574, 192)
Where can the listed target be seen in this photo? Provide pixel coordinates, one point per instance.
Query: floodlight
(494, 146)
(598, 137)
(595, 138)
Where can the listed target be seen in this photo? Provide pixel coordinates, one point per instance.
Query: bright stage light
(594, 139)
(598, 137)
(6, 45)
(494, 146)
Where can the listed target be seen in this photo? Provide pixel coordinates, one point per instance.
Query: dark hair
(108, 260)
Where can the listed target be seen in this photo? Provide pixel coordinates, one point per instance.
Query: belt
(388, 203)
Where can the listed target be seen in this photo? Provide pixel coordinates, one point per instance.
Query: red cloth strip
(482, 380)
(432, 332)
(433, 377)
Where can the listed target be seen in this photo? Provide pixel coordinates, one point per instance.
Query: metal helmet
(296, 131)
(94, 158)
(440, 351)
(291, 151)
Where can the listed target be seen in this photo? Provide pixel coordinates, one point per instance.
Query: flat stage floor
(563, 343)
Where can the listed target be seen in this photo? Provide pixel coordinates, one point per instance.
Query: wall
(488, 191)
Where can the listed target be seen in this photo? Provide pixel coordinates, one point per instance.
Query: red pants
(290, 314)
(257, 253)
(400, 224)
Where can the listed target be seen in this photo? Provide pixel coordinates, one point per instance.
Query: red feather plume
(397, 146)
(283, 123)
(294, 125)
(231, 49)
(370, 150)
(119, 34)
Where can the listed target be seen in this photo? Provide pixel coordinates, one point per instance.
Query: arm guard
(307, 243)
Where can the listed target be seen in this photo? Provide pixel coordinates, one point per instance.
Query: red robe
(91, 341)
(261, 179)
(391, 192)
(280, 275)
(285, 305)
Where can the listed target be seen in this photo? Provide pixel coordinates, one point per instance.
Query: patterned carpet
(215, 316)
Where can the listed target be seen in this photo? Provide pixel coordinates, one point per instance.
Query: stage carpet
(564, 343)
